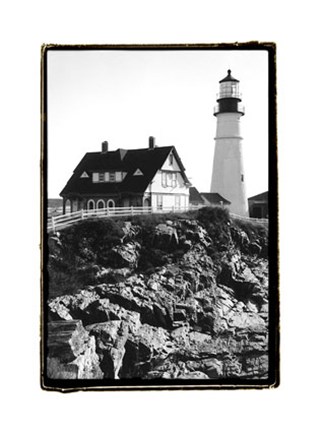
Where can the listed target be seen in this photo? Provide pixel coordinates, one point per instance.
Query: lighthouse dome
(229, 77)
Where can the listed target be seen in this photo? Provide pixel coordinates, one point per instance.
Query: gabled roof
(260, 197)
(194, 196)
(214, 198)
(147, 160)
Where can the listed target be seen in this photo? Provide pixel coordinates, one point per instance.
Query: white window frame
(68, 206)
(103, 202)
(88, 204)
(159, 202)
(95, 177)
(164, 182)
(174, 179)
(109, 202)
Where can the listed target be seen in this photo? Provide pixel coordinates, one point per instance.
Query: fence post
(82, 214)
(53, 224)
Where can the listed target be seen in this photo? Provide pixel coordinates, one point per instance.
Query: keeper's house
(152, 177)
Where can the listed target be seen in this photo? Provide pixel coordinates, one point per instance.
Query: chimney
(151, 142)
(104, 148)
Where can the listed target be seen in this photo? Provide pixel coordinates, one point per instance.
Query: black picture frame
(273, 379)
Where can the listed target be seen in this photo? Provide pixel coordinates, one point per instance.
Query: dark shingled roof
(229, 77)
(194, 196)
(214, 198)
(260, 197)
(149, 161)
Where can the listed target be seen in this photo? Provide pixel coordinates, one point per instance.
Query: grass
(252, 229)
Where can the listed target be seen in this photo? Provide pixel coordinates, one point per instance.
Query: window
(169, 179)
(98, 177)
(242, 177)
(171, 159)
(100, 204)
(159, 202)
(90, 205)
(164, 179)
(68, 206)
(174, 180)
(177, 201)
(110, 204)
(102, 177)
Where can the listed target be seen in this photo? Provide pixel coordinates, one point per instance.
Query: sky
(125, 96)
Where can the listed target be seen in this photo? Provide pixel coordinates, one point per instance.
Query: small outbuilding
(259, 205)
(206, 198)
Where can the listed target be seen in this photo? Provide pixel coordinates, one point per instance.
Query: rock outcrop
(179, 300)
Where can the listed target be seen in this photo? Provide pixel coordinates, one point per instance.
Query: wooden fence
(57, 223)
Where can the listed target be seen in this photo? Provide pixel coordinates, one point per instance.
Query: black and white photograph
(159, 217)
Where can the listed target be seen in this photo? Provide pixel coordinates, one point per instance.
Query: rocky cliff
(167, 296)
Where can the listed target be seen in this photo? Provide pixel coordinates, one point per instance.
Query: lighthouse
(228, 177)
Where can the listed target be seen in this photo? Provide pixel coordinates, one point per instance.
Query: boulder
(212, 367)
(193, 375)
(71, 352)
(130, 231)
(165, 237)
(111, 338)
(126, 255)
(70, 307)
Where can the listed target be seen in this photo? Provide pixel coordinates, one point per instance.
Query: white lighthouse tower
(228, 177)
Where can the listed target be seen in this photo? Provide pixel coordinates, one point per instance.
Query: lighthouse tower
(228, 177)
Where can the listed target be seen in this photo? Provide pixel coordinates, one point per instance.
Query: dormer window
(108, 177)
(95, 177)
(138, 172)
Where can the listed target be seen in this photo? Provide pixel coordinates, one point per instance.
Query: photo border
(273, 380)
